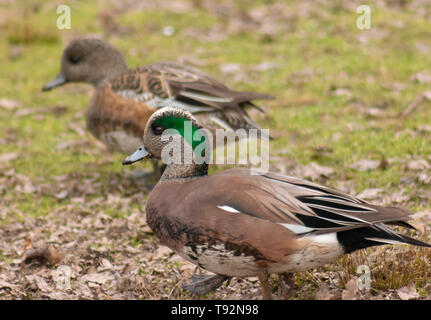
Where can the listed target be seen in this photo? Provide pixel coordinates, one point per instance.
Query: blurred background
(352, 110)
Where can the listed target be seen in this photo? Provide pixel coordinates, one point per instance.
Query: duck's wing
(332, 206)
(169, 84)
(302, 207)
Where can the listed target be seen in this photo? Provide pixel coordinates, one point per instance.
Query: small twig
(422, 97)
(177, 284)
(143, 287)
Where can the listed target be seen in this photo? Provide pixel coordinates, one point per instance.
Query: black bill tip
(59, 80)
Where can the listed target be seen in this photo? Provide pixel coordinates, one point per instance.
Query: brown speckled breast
(116, 121)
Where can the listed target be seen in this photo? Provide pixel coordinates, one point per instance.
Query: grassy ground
(341, 93)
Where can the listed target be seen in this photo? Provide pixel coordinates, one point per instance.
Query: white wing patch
(296, 228)
(227, 208)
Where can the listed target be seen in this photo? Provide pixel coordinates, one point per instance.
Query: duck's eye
(158, 129)
(74, 59)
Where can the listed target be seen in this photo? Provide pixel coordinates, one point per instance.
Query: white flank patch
(327, 238)
(313, 251)
(227, 208)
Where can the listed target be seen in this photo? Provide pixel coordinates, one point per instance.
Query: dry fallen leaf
(106, 264)
(323, 293)
(421, 77)
(426, 215)
(365, 165)
(370, 194)
(39, 282)
(313, 171)
(4, 284)
(187, 267)
(424, 178)
(265, 66)
(229, 68)
(77, 128)
(57, 295)
(71, 144)
(25, 185)
(420, 164)
(342, 92)
(57, 110)
(10, 104)
(351, 290)
(425, 96)
(372, 112)
(300, 77)
(421, 220)
(61, 195)
(6, 157)
(98, 278)
(162, 252)
(424, 128)
(408, 292)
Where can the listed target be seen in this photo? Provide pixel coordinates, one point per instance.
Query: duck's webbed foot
(203, 284)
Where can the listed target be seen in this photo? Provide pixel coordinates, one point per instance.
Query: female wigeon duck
(125, 99)
(239, 223)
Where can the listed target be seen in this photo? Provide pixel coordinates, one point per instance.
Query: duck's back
(121, 107)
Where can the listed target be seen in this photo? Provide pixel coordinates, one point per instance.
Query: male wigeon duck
(125, 99)
(239, 223)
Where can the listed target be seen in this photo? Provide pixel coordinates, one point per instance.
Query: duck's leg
(264, 284)
(285, 284)
(202, 284)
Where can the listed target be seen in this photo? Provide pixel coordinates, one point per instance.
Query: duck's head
(90, 61)
(165, 122)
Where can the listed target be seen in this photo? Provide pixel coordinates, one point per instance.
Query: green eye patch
(183, 126)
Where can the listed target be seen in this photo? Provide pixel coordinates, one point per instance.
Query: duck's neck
(184, 171)
(113, 67)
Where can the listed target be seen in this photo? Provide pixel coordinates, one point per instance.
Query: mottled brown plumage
(124, 99)
(235, 223)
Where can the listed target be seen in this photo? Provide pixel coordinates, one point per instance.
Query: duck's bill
(59, 80)
(138, 155)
